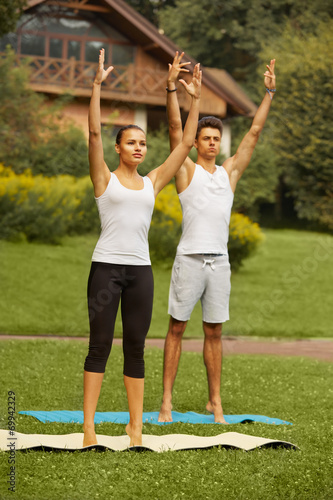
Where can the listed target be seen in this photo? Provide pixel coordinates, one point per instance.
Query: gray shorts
(201, 277)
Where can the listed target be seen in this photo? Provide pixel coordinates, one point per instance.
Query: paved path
(318, 349)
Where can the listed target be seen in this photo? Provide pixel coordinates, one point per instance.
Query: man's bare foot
(135, 434)
(165, 412)
(89, 437)
(216, 409)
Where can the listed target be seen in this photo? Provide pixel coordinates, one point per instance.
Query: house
(62, 39)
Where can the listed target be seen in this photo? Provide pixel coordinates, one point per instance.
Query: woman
(120, 263)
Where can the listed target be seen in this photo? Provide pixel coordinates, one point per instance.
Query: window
(61, 33)
(122, 54)
(55, 49)
(10, 39)
(32, 45)
(92, 51)
(74, 49)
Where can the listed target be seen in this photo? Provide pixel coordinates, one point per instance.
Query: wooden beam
(79, 6)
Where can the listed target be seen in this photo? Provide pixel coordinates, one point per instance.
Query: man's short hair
(211, 122)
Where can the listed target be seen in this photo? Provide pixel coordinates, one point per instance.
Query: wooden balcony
(126, 83)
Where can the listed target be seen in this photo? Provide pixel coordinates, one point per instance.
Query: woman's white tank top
(125, 216)
(206, 205)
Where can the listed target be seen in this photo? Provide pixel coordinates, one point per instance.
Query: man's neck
(207, 163)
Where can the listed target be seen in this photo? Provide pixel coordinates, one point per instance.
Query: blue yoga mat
(151, 417)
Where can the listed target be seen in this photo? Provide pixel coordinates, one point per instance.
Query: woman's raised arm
(99, 172)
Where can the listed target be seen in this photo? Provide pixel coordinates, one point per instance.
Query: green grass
(47, 375)
(281, 291)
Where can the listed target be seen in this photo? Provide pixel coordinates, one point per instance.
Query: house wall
(117, 115)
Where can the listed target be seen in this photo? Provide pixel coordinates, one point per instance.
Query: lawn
(282, 291)
(47, 375)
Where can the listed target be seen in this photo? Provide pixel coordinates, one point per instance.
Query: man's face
(208, 142)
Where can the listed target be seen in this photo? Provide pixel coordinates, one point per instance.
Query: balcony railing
(126, 83)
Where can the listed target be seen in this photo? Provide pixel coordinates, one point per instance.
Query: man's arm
(237, 164)
(163, 174)
(185, 173)
(173, 111)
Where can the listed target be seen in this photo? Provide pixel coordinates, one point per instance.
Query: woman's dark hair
(211, 122)
(123, 129)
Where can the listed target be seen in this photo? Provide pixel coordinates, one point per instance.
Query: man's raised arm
(236, 165)
(173, 111)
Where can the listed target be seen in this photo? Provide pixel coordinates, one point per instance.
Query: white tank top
(206, 205)
(125, 216)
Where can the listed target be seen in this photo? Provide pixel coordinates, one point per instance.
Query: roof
(143, 32)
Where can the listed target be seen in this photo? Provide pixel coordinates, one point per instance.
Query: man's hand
(176, 67)
(194, 88)
(102, 74)
(269, 75)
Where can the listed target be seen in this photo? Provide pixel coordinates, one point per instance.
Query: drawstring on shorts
(210, 262)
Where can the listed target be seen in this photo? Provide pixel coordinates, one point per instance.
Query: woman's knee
(97, 357)
(134, 365)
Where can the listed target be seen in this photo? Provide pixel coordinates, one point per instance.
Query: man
(201, 268)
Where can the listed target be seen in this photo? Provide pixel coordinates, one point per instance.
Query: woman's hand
(102, 74)
(270, 80)
(176, 67)
(194, 88)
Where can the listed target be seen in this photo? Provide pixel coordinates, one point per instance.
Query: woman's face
(132, 148)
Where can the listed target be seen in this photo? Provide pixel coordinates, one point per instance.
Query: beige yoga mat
(168, 442)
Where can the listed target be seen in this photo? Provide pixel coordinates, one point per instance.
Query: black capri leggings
(106, 284)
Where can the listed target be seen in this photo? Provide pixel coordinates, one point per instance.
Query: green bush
(34, 133)
(39, 208)
(244, 237)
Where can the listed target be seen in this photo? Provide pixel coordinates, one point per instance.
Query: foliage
(10, 12)
(244, 238)
(33, 133)
(230, 34)
(45, 209)
(258, 183)
(302, 123)
(165, 229)
(150, 8)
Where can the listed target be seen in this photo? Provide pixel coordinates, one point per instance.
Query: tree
(302, 120)
(33, 134)
(259, 181)
(10, 12)
(150, 8)
(230, 35)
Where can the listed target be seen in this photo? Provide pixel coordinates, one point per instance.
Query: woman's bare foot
(135, 434)
(89, 437)
(217, 410)
(165, 412)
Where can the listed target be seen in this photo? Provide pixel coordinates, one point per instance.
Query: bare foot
(135, 434)
(218, 412)
(165, 412)
(89, 437)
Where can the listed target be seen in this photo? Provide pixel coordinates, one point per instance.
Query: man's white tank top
(125, 216)
(206, 205)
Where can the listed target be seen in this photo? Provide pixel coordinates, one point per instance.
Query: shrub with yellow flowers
(244, 238)
(165, 229)
(38, 208)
